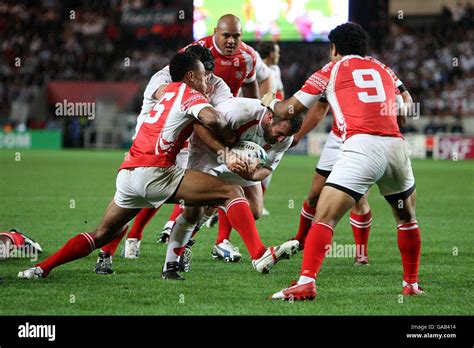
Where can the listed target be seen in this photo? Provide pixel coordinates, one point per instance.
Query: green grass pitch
(36, 194)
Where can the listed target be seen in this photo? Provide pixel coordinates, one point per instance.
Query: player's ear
(190, 75)
(270, 116)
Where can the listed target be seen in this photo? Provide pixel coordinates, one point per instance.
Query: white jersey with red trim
(262, 70)
(361, 92)
(235, 70)
(244, 116)
(277, 83)
(166, 128)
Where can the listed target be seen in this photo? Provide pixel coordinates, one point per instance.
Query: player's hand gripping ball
(250, 152)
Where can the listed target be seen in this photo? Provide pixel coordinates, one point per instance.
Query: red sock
(223, 227)
(141, 220)
(361, 228)
(409, 244)
(177, 210)
(111, 248)
(306, 217)
(79, 246)
(317, 244)
(241, 218)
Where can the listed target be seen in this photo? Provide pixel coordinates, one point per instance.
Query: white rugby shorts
(146, 187)
(366, 160)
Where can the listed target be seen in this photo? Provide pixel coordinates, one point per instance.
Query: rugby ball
(250, 150)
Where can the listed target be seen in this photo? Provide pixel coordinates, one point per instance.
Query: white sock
(415, 285)
(204, 219)
(169, 224)
(305, 280)
(179, 237)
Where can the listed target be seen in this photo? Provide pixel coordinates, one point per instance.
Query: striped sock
(79, 246)
(409, 244)
(241, 218)
(306, 218)
(361, 228)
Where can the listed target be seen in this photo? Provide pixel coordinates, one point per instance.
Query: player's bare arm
(253, 171)
(214, 121)
(215, 144)
(250, 90)
(405, 109)
(289, 108)
(266, 85)
(314, 115)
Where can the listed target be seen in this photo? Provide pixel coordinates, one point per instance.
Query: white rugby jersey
(277, 84)
(245, 118)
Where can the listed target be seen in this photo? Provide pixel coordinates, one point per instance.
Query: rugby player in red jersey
(362, 94)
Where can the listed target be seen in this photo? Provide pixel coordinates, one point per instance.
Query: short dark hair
(266, 48)
(181, 64)
(295, 122)
(203, 54)
(349, 38)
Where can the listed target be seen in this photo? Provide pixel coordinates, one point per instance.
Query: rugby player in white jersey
(250, 122)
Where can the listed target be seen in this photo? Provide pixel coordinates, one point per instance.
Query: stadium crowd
(40, 42)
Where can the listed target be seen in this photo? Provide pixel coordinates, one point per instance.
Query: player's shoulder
(191, 96)
(373, 60)
(381, 66)
(251, 105)
(275, 68)
(328, 67)
(376, 62)
(205, 42)
(247, 50)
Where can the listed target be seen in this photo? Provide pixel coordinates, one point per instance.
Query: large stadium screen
(282, 20)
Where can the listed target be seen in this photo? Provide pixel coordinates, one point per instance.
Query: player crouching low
(253, 124)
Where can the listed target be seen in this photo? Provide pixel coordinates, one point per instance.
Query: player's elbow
(211, 119)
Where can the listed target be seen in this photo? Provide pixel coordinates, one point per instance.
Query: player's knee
(325, 216)
(102, 235)
(405, 216)
(362, 207)
(234, 191)
(192, 215)
(257, 210)
(313, 199)
(99, 236)
(405, 209)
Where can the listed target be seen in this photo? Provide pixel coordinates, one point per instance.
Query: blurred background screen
(285, 20)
